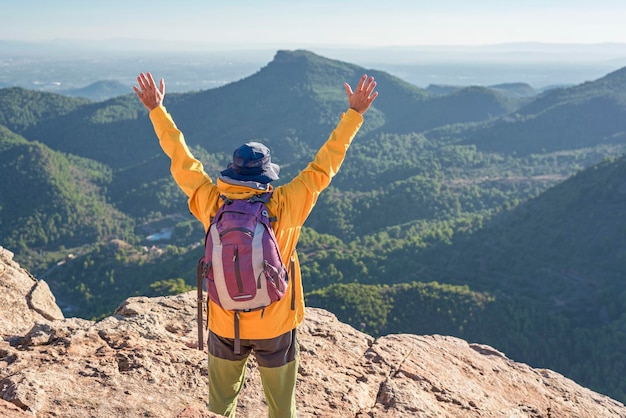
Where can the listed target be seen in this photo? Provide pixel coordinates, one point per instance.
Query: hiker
(270, 333)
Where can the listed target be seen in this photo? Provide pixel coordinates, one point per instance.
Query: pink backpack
(242, 267)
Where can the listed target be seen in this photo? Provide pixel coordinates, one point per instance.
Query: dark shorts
(271, 352)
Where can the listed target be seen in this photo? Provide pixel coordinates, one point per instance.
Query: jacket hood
(236, 189)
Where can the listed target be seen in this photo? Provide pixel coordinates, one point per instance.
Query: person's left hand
(150, 95)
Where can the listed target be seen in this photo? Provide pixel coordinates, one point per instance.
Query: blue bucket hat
(252, 162)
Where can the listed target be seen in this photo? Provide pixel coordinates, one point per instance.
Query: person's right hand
(148, 93)
(363, 96)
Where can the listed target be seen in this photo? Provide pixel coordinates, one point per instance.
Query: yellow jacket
(290, 204)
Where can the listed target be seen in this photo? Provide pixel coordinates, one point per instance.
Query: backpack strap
(237, 347)
(264, 198)
(292, 269)
(225, 199)
(200, 279)
(261, 197)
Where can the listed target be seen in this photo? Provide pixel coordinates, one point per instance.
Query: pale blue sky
(279, 23)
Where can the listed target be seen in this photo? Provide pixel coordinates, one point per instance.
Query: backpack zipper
(237, 270)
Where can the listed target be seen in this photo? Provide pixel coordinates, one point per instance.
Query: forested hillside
(51, 200)
(489, 213)
(21, 108)
(586, 115)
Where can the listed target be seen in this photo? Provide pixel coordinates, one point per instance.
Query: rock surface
(142, 362)
(23, 298)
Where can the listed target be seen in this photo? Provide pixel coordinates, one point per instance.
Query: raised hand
(362, 97)
(148, 93)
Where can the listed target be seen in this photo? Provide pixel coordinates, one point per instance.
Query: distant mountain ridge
(281, 100)
(99, 90)
(586, 115)
(513, 90)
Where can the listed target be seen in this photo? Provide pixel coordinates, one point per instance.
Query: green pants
(278, 365)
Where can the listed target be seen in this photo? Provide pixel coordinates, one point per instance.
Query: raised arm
(186, 170)
(302, 192)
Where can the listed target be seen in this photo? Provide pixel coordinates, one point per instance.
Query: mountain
(516, 89)
(292, 104)
(513, 90)
(470, 104)
(49, 200)
(581, 116)
(21, 108)
(145, 359)
(266, 100)
(108, 132)
(299, 96)
(98, 91)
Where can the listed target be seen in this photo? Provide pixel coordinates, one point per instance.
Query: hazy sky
(319, 22)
